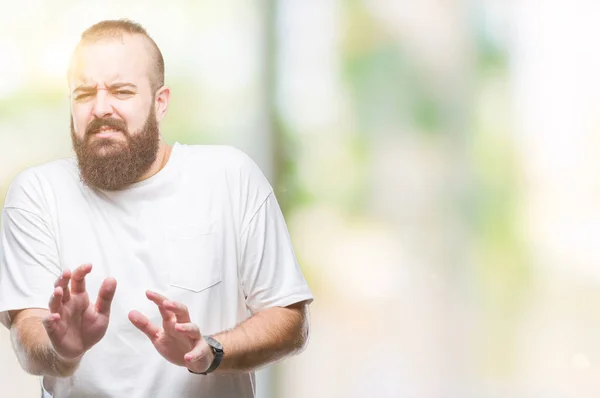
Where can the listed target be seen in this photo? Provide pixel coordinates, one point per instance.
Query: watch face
(213, 343)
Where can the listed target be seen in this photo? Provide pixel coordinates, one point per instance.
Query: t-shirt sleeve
(269, 271)
(29, 262)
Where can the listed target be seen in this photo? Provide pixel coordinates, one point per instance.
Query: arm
(266, 337)
(52, 342)
(269, 277)
(33, 347)
(49, 337)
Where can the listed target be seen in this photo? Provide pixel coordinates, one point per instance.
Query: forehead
(123, 58)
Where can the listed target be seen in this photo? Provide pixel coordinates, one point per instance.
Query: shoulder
(223, 159)
(34, 183)
(232, 168)
(224, 156)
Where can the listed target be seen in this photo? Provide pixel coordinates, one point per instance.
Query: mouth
(107, 132)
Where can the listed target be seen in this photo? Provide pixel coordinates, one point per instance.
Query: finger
(158, 299)
(55, 303)
(50, 323)
(141, 322)
(180, 310)
(63, 282)
(78, 278)
(189, 329)
(200, 350)
(66, 274)
(105, 296)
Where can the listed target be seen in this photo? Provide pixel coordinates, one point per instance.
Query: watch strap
(218, 353)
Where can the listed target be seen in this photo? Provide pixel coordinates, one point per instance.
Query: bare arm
(266, 337)
(33, 347)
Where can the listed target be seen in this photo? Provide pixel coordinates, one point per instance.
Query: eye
(123, 93)
(83, 96)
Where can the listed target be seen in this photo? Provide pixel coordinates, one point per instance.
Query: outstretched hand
(179, 340)
(75, 324)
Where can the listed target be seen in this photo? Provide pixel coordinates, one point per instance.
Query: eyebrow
(113, 86)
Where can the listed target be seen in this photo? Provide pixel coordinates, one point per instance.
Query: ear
(161, 102)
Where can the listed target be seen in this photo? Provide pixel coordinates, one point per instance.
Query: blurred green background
(437, 163)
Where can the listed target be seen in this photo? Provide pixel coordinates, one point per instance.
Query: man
(209, 288)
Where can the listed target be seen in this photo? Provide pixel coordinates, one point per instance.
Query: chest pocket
(193, 255)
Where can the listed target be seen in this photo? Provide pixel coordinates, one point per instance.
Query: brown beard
(105, 163)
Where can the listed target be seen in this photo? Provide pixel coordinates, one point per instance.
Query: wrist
(201, 365)
(66, 359)
(211, 361)
(70, 361)
(64, 366)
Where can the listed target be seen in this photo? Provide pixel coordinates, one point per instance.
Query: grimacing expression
(114, 126)
(112, 164)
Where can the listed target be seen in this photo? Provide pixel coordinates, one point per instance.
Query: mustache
(96, 124)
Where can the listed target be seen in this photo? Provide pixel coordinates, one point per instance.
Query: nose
(102, 105)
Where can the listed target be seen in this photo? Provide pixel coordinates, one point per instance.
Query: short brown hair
(116, 28)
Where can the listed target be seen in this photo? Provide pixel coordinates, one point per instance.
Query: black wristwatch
(217, 350)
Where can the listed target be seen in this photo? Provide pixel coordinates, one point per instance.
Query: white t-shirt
(205, 231)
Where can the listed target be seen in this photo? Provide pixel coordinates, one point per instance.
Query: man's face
(114, 125)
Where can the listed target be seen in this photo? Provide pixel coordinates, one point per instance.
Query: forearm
(35, 352)
(266, 337)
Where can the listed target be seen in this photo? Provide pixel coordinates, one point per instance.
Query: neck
(162, 157)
